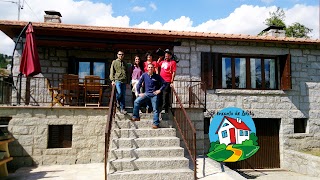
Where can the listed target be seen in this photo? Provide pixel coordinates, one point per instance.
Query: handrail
(197, 95)
(111, 114)
(187, 131)
(191, 93)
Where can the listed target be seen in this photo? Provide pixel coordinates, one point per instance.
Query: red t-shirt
(145, 65)
(167, 69)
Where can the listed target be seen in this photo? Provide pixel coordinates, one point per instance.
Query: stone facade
(302, 101)
(29, 127)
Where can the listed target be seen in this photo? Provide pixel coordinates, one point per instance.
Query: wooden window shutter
(285, 72)
(207, 69)
(217, 70)
(72, 66)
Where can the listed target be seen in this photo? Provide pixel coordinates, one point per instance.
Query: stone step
(127, 124)
(132, 164)
(128, 116)
(145, 142)
(147, 152)
(143, 133)
(147, 116)
(168, 174)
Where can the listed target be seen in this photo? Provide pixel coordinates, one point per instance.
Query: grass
(315, 152)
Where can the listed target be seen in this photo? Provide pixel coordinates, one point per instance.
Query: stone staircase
(139, 152)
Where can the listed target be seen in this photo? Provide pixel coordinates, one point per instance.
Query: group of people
(151, 83)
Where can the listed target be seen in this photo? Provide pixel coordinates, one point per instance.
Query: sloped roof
(234, 122)
(13, 28)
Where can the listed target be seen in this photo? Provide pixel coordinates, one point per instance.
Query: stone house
(274, 78)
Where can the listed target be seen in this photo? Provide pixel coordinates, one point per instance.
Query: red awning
(30, 63)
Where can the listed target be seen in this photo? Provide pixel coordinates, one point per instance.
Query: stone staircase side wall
(301, 163)
(197, 117)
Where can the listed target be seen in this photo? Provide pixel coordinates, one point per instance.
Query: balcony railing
(72, 91)
(192, 94)
(40, 91)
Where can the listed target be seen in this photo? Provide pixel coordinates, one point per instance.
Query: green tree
(295, 30)
(298, 30)
(276, 18)
(254, 138)
(3, 62)
(213, 145)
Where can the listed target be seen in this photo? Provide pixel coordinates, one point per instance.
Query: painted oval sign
(232, 135)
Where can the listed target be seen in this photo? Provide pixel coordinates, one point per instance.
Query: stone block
(20, 130)
(61, 159)
(181, 49)
(202, 48)
(296, 52)
(49, 159)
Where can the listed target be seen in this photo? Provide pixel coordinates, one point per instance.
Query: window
(229, 71)
(224, 134)
(60, 136)
(300, 125)
(85, 67)
(225, 124)
(246, 133)
(241, 132)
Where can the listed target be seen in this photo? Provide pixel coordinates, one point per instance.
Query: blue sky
(199, 11)
(219, 16)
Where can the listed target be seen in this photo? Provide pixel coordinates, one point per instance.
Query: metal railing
(191, 93)
(111, 115)
(41, 91)
(186, 129)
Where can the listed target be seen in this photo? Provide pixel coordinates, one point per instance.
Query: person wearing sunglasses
(118, 77)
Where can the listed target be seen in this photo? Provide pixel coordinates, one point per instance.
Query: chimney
(274, 31)
(52, 17)
(239, 120)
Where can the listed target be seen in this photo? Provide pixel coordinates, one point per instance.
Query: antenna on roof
(18, 4)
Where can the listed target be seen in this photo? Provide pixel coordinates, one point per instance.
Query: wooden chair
(70, 89)
(92, 90)
(55, 93)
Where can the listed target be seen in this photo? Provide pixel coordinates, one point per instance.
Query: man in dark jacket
(153, 84)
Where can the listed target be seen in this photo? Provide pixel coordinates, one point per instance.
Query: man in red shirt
(168, 69)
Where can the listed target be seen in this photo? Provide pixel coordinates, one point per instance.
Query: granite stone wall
(29, 127)
(302, 101)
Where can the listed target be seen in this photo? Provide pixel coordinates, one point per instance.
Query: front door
(232, 136)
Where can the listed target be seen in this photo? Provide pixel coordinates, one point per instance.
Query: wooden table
(7, 158)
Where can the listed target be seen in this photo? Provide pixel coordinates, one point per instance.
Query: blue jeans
(154, 101)
(121, 93)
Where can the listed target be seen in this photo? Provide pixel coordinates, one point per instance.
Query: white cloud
(181, 24)
(306, 15)
(153, 6)
(73, 12)
(6, 44)
(246, 19)
(138, 9)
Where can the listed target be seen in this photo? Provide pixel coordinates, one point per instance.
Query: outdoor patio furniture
(92, 90)
(70, 89)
